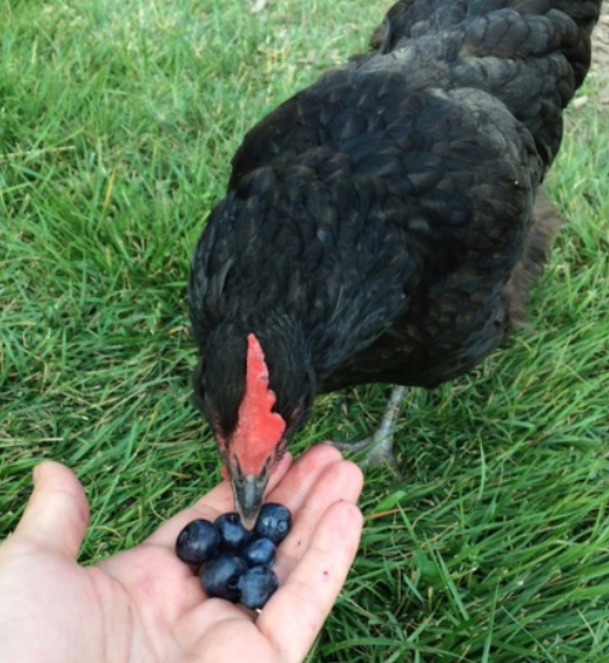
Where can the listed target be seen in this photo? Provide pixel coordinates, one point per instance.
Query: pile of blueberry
(232, 562)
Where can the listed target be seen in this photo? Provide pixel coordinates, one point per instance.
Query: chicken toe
(379, 445)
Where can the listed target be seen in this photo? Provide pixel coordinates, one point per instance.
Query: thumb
(57, 513)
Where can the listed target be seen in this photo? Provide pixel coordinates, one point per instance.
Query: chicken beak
(248, 493)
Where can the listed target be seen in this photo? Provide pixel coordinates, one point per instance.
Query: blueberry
(257, 585)
(273, 523)
(198, 542)
(233, 536)
(220, 576)
(260, 552)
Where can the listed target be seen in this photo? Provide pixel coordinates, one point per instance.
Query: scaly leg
(380, 443)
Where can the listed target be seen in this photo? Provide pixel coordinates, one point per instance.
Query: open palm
(144, 605)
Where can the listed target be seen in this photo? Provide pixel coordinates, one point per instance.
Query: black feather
(374, 221)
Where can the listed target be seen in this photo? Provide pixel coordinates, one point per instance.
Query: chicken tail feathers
(532, 55)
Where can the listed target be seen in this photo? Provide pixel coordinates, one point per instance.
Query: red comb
(259, 429)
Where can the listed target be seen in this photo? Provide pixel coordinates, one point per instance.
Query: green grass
(118, 119)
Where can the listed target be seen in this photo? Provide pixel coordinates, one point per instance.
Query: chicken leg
(379, 445)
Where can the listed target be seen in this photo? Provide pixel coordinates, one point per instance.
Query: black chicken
(379, 225)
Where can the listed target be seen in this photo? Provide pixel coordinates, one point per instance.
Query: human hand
(144, 605)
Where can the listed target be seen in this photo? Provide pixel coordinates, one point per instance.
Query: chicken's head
(250, 421)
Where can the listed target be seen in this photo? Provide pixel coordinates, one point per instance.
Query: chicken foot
(379, 445)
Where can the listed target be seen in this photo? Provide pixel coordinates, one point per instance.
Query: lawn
(118, 119)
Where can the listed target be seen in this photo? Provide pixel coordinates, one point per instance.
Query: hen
(379, 226)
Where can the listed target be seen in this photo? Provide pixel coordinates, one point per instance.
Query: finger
(219, 500)
(293, 617)
(342, 480)
(57, 513)
(295, 487)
